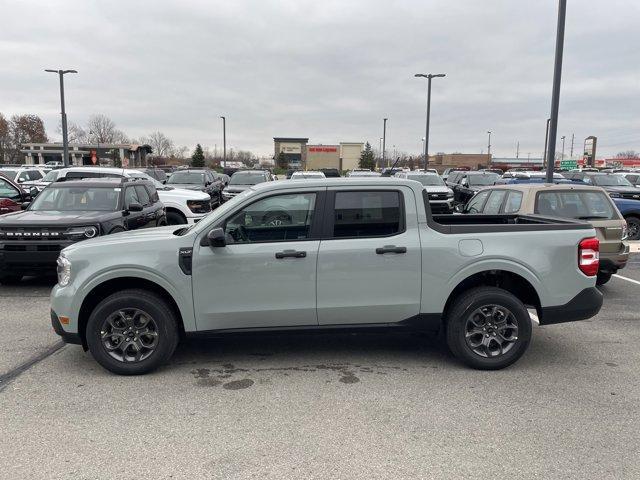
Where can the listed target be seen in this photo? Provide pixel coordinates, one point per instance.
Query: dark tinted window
(494, 203)
(476, 203)
(7, 190)
(367, 214)
(130, 196)
(153, 193)
(143, 196)
(89, 174)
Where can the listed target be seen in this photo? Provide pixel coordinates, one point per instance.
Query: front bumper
(67, 337)
(584, 305)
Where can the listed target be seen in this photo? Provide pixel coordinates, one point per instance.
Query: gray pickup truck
(327, 255)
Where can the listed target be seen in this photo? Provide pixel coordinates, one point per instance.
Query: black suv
(467, 184)
(69, 211)
(616, 185)
(201, 179)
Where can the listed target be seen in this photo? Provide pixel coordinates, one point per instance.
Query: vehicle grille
(437, 196)
(45, 247)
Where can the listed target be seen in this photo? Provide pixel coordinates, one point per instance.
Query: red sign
(324, 149)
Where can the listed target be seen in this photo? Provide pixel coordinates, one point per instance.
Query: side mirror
(216, 238)
(135, 207)
(20, 180)
(25, 205)
(459, 208)
(33, 191)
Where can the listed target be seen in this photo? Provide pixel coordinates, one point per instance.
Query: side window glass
(142, 194)
(7, 190)
(34, 175)
(514, 200)
(273, 219)
(547, 204)
(367, 214)
(476, 203)
(23, 177)
(495, 202)
(153, 193)
(130, 196)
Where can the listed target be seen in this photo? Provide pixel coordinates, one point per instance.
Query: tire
(175, 218)
(633, 226)
(494, 351)
(603, 277)
(160, 319)
(9, 278)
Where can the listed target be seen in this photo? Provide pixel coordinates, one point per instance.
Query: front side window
(494, 202)
(273, 219)
(583, 205)
(476, 203)
(142, 194)
(367, 214)
(514, 200)
(130, 196)
(7, 190)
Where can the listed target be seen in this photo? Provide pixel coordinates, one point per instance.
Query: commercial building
(111, 154)
(322, 156)
(298, 154)
(442, 161)
(294, 150)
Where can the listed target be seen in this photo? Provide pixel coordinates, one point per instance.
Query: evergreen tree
(367, 159)
(282, 161)
(197, 159)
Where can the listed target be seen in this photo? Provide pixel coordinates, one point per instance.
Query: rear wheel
(488, 328)
(633, 226)
(132, 332)
(603, 277)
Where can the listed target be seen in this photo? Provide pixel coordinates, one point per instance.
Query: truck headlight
(449, 193)
(78, 233)
(64, 270)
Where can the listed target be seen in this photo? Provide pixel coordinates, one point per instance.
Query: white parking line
(627, 279)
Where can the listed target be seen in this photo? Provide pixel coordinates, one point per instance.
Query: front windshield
(427, 180)
(483, 180)
(77, 199)
(611, 181)
(9, 173)
(52, 176)
(246, 178)
(190, 178)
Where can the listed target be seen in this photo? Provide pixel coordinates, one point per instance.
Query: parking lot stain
(611, 364)
(238, 384)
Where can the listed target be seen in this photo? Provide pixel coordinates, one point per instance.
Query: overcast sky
(329, 70)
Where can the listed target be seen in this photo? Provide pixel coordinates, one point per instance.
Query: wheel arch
(102, 290)
(512, 282)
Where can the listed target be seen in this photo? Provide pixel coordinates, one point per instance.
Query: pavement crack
(8, 377)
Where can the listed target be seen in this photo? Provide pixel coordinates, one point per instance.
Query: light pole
(384, 138)
(65, 139)
(224, 142)
(428, 76)
(489, 144)
(562, 154)
(546, 141)
(555, 95)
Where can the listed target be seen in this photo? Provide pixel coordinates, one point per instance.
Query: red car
(12, 195)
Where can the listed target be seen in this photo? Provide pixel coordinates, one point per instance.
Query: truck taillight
(589, 256)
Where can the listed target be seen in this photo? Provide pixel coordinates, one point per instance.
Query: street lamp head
(222, 117)
(430, 75)
(69, 71)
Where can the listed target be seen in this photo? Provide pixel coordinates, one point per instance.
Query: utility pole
(518, 150)
(384, 138)
(562, 154)
(546, 139)
(428, 76)
(224, 142)
(65, 138)
(571, 154)
(555, 96)
(489, 144)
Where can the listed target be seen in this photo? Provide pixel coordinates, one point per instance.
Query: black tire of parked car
(456, 327)
(163, 316)
(175, 218)
(633, 226)
(9, 278)
(603, 277)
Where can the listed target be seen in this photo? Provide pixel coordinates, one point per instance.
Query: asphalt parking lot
(350, 406)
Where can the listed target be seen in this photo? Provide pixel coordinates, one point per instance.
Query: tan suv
(582, 202)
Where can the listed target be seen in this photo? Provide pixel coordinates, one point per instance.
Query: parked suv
(244, 179)
(155, 173)
(616, 185)
(182, 206)
(13, 195)
(580, 202)
(69, 211)
(29, 175)
(467, 184)
(199, 179)
(440, 196)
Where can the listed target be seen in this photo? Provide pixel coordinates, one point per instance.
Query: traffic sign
(568, 164)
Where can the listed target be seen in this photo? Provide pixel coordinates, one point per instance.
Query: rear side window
(368, 214)
(476, 203)
(514, 200)
(584, 205)
(495, 202)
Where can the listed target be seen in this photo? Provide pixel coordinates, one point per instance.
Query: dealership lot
(348, 406)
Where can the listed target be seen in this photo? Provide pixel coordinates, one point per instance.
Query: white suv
(183, 206)
(26, 175)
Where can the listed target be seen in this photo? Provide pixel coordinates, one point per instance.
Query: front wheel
(9, 278)
(132, 332)
(488, 328)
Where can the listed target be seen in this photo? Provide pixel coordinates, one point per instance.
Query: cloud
(329, 70)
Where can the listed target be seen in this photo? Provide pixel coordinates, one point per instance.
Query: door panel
(359, 283)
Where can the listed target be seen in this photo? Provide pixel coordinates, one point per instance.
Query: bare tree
(4, 137)
(160, 144)
(628, 154)
(103, 130)
(75, 133)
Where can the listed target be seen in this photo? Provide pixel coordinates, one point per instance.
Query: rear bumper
(612, 262)
(584, 305)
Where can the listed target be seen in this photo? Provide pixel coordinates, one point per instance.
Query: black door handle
(291, 254)
(390, 249)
